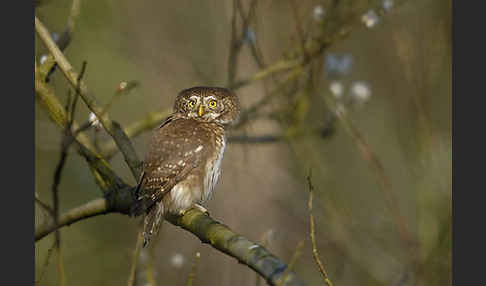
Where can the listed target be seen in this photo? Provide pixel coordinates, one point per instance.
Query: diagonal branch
(90, 209)
(65, 38)
(105, 177)
(110, 126)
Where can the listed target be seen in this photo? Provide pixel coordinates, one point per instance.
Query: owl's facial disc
(206, 109)
(209, 104)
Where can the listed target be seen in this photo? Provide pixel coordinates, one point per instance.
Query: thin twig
(72, 112)
(125, 87)
(144, 273)
(298, 27)
(376, 165)
(253, 43)
(66, 142)
(254, 108)
(313, 235)
(265, 241)
(45, 206)
(236, 42)
(46, 262)
(280, 66)
(90, 209)
(192, 275)
(56, 111)
(255, 139)
(295, 257)
(66, 37)
(55, 199)
(136, 254)
(102, 172)
(235, 46)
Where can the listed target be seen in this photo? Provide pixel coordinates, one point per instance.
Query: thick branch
(245, 251)
(93, 208)
(219, 236)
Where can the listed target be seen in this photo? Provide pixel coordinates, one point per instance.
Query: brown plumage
(182, 165)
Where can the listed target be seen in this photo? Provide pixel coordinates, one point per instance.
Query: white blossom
(370, 19)
(360, 91)
(337, 88)
(94, 121)
(42, 59)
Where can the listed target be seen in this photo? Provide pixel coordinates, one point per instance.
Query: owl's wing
(173, 153)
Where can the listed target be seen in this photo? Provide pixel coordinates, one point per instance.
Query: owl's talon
(197, 207)
(201, 208)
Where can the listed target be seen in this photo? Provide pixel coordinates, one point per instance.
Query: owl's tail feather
(152, 222)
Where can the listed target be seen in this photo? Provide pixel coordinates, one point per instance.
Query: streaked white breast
(213, 170)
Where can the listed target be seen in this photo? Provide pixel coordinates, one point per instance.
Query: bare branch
(298, 27)
(282, 65)
(45, 206)
(65, 38)
(235, 46)
(110, 126)
(136, 254)
(249, 253)
(377, 167)
(103, 174)
(55, 199)
(313, 235)
(93, 208)
(192, 275)
(295, 257)
(205, 228)
(46, 263)
(56, 111)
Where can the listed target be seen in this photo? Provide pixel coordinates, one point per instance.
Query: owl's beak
(200, 111)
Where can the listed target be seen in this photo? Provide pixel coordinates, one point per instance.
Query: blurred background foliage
(390, 80)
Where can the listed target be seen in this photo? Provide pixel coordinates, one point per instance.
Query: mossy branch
(209, 231)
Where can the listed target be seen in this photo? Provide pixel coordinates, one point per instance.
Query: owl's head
(210, 104)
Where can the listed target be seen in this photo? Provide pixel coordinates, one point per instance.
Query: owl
(183, 162)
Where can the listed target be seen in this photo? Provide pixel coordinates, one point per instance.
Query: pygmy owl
(183, 162)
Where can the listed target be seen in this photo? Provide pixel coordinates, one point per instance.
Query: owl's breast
(213, 167)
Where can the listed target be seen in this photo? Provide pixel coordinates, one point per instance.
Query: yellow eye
(191, 104)
(213, 104)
